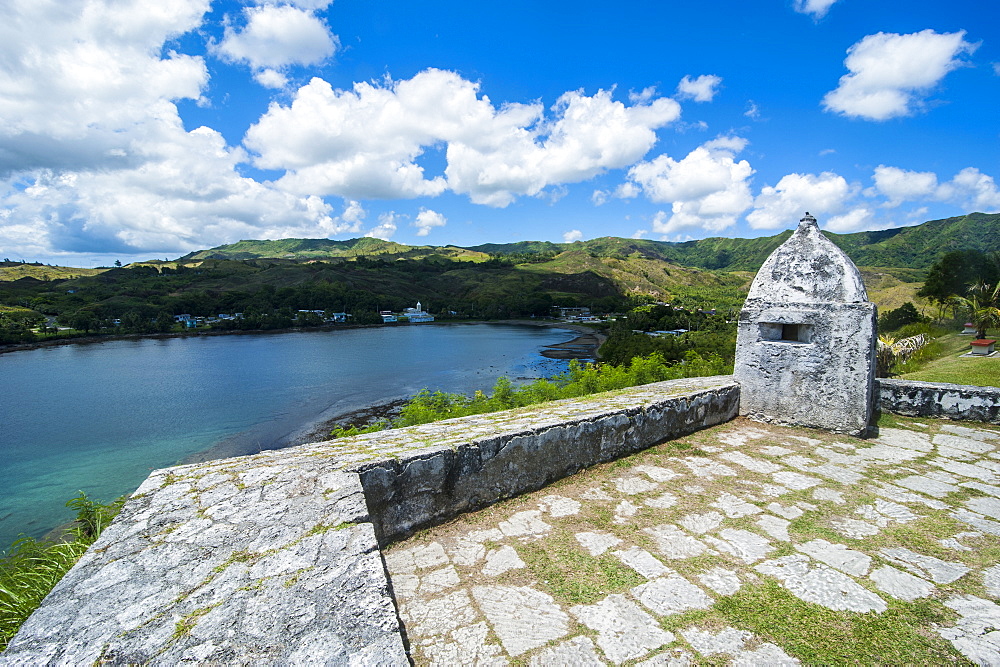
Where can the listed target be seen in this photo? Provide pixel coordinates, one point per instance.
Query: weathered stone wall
(938, 399)
(274, 558)
(822, 382)
(474, 461)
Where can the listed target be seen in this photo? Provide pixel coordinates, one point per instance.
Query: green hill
(305, 249)
(916, 247)
(10, 271)
(491, 280)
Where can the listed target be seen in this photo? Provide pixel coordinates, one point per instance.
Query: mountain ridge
(912, 247)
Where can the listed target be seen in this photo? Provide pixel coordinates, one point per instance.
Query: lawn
(954, 368)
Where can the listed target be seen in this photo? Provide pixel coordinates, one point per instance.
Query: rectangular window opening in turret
(785, 332)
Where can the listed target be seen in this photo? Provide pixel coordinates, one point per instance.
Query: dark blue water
(99, 417)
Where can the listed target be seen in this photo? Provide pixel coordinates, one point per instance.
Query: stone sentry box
(805, 350)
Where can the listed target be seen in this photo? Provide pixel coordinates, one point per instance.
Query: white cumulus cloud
(900, 185)
(365, 142)
(352, 218)
(643, 96)
(794, 195)
(708, 188)
(82, 83)
(587, 136)
(186, 195)
(270, 78)
(276, 36)
(890, 73)
(572, 235)
(385, 228)
(699, 89)
(428, 220)
(857, 219)
(969, 188)
(972, 189)
(95, 155)
(815, 8)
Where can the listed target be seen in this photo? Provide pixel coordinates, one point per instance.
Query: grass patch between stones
(901, 635)
(573, 577)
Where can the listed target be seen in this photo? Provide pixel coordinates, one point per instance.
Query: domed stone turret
(805, 347)
(808, 268)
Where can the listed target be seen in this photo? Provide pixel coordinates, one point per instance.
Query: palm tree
(982, 305)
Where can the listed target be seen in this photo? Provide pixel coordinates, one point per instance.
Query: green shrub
(580, 380)
(893, 320)
(931, 350)
(915, 329)
(34, 567)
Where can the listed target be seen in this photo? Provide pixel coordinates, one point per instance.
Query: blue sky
(134, 130)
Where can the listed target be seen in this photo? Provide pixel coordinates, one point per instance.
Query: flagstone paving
(742, 544)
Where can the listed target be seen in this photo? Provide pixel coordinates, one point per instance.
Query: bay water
(98, 417)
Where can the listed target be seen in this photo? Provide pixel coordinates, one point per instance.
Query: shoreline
(584, 346)
(101, 338)
(318, 428)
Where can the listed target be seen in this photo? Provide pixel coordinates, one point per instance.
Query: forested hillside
(270, 280)
(916, 247)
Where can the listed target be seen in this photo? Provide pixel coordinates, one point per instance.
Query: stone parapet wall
(940, 400)
(274, 558)
(242, 561)
(472, 462)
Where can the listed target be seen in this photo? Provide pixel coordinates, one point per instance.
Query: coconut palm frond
(889, 352)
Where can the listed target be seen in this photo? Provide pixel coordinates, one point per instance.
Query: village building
(418, 314)
(570, 312)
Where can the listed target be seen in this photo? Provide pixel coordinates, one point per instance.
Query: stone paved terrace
(739, 544)
(274, 558)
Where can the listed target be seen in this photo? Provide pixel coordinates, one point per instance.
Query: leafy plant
(580, 380)
(982, 305)
(91, 516)
(34, 567)
(890, 352)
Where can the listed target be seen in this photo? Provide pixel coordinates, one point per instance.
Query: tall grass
(34, 567)
(580, 380)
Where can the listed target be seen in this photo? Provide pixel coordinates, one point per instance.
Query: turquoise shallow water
(99, 417)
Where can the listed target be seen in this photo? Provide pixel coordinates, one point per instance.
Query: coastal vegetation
(33, 567)
(581, 379)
